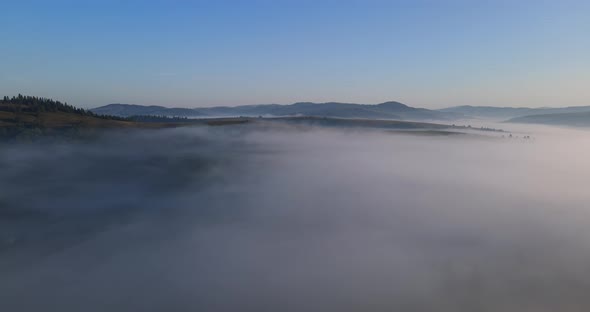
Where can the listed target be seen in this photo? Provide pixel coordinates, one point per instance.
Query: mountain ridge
(575, 119)
(507, 112)
(385, 110)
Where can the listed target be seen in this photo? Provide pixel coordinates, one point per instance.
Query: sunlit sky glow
(204, 53)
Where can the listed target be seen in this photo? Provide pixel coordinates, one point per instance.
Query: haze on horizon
(429, 54)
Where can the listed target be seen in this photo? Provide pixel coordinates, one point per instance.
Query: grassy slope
(61, 120)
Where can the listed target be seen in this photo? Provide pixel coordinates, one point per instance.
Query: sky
(177, 53)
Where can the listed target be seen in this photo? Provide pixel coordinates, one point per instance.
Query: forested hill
(33, 104)
(25, 117)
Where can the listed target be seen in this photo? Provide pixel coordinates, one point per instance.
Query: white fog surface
(290, 220)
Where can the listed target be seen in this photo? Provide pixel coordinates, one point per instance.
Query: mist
(291, 219)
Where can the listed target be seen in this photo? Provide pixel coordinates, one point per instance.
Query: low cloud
(224, 219)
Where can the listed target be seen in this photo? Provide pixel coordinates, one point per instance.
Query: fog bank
(222, 219)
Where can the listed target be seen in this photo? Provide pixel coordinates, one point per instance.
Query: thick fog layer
(296, 220)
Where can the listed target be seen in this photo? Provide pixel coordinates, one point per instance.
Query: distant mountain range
(577, 119)
(568, 116)
(387, 110)
(503, 113)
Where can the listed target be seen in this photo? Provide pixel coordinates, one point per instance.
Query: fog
(230, 219)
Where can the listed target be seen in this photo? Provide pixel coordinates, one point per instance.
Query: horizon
(336, 102)
(430, 54)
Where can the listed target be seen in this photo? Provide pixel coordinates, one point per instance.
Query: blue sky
(204, 53)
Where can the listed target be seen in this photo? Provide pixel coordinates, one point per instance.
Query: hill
(387, 110)
(503, 113)
(31, 116)
(578, 119)
(27, 117)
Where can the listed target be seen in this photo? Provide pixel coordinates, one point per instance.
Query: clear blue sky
(203, 53)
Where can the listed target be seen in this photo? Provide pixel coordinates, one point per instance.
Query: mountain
(503, 113)
(387, 110)
(576, 119)
(27, 118)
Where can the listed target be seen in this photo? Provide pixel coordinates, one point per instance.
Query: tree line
(32, 104)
